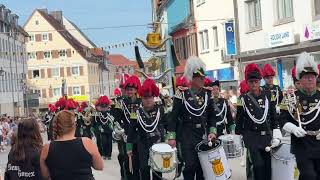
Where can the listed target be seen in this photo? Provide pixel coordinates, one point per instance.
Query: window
(215, 38)
(35, 73)
(32, 55)
(62, 53)
(204, 39)
(316, 7)
(56, 91)
(76, 90)
(55, 72)
(75, 71)
(254, 14)
(284, 9)
(200, 2)
(45, 37)
(31, 38)
(36, 22)
(47, 54)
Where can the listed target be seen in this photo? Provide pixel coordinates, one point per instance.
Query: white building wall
(209, 14)
(253, 40)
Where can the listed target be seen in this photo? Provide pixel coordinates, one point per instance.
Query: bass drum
(283, 162)
(213, 161)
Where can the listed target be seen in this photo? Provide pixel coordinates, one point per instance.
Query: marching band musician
(257, 122)
(49, 118)
(303, 120)
(194, 107)
(130, 105)
(275, 92)
(148, 129)
(83, 128)
(103, 123)
(294, 78)
(222, 110)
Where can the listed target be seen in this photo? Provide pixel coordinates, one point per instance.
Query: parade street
(112, 171)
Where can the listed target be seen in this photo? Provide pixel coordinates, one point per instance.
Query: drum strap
(218, 109)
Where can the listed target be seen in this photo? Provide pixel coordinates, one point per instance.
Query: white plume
(193, 64)
(305, 60)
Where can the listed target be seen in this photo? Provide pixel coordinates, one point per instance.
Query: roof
(98, 52)
(120, 60)
(64, 33)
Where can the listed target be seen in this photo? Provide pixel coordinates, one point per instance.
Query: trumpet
(118, 132)
(293, 104)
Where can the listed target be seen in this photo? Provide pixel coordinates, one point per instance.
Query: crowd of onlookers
(8, 125)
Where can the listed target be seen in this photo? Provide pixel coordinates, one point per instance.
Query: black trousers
(143, 149)
(135, 163)
(192, 164)
(261, 161)
(309, 169)
(121, 157)
(98, 138)
(106, 144)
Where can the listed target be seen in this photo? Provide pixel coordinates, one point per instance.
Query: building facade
(276, 31)
(13, 64)
(58, 63)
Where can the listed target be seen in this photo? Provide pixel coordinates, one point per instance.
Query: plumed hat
(268, 70)
(149, 88)
(103, 101)
(306, 65)
(244, 88)
(252, 71)
(117, 92)
(133, 82)
(195, 67)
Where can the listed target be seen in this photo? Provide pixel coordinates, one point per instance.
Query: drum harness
(144, 125)
(265, 113)
(291, 105)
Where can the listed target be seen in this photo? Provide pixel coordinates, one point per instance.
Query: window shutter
(44, 93)
(38, 37)
(40, 55)
(55, 53)
(68, 52)
(69, 91)
(68, 71)
(82, 90)
(81, 70)
(49, 73)
(29, 74)
(50, 92)
(61, 72)
(50, 36)
(42, 73)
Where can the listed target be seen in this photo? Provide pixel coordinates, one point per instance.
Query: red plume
(117, 92)
(182, 81)
(61, 103)
(123, 80)
(83, 104)
(318, 69)
(133, 81)
(52, 108)
(103, 100)
(268, 70)
(244, 88)
(293, 72)
(250, 68)
(207, 81)
(149, 88)
(71, 104)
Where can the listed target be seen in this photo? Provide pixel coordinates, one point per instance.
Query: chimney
(57, 15)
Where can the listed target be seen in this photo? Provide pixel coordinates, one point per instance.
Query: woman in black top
(68, 157)
(24, 156)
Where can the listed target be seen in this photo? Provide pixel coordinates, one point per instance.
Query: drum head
(203, 145)
(162, 147)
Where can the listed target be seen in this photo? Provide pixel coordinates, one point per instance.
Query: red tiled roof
(97, 52)
(120, 60)
(64, 33)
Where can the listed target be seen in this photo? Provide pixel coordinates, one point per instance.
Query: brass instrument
(118, 132)
(87, 116)
(293, 104)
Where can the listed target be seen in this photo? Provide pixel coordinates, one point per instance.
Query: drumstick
(130, 164)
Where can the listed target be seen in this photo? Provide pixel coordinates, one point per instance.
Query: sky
(97, 14)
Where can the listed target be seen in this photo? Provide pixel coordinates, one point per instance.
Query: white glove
(275, 143)
(276, 134)
(318, 137)
(297, 131)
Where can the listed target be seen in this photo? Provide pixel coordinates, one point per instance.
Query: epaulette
(239, 101)
(273, 98)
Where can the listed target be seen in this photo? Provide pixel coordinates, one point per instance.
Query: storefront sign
(224, 74)
(311, 32)
(79, 98)
(230, 39)
(281, 38)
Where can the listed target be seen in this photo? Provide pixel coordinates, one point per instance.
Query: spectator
(68, 157)
(1, 136)
(24, 156)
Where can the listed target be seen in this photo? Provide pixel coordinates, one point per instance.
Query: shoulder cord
(188, 106)
(125, 110)
(145, 126)
(224, 109)
(263, 118)
(108, 118)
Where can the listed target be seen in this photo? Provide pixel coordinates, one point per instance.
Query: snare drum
(232, 145)
(213, 161)
(163, 158)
